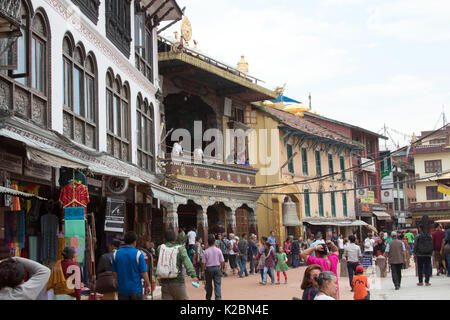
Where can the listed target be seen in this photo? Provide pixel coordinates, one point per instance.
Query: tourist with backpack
(169, 270)
(423, 250)
(129, 267)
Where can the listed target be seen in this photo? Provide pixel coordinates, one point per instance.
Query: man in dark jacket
(423, 250)
(242, 251)
(252, 253)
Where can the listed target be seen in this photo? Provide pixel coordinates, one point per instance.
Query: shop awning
(57, 160)
(382, 215)
(342, 223)
(372, 228)
(168, 195)
(16, 193)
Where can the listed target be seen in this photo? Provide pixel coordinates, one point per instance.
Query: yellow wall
(271, 218)
(419, 166)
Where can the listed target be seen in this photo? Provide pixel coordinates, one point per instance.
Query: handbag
(447, 248)
(106, 282)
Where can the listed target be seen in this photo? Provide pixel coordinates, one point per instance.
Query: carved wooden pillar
(202, 225)
(231, 221)
(252, 221)
(171, 217)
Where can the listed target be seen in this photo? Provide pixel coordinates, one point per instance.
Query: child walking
(360, 285)
(281, 264)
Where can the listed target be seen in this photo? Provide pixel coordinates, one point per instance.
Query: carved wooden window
(79, 94)
(118, 117)
(143, 43)
(118, 24)
(89, 8)
(25, 90)
(145, 134)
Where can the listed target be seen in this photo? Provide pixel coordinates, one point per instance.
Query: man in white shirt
(369, 243)
(177, 150)
(340, 244)
(198, 154)
(191, 238)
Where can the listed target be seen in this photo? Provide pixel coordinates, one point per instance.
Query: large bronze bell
(290, 218)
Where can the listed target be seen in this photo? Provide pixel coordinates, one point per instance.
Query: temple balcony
(210, 171)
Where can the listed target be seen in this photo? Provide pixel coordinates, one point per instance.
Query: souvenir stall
(37, 219)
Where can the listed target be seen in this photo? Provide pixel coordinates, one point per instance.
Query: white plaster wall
(64, 17)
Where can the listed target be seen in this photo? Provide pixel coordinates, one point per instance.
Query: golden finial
(243, 65)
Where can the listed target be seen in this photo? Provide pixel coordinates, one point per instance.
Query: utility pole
(385, 141)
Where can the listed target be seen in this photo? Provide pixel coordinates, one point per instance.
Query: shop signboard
(11, 163)
(115, 215)
(387, 196)
(387, 179)
(370, 198)
(36, 170)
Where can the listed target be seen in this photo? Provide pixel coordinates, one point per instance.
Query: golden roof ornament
(243, 65)
(186, 30)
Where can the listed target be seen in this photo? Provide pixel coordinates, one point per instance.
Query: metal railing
(212, 61)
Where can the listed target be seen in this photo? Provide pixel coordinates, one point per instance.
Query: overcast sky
(365, 62)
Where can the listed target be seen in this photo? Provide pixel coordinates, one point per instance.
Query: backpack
(424, 245)
(235, 247)
(167, 262)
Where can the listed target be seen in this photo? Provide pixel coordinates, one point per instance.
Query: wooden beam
(165, 14)
(230, 91)
(157, 10)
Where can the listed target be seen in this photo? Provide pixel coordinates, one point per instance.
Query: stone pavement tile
(248, 288)
(383, 288)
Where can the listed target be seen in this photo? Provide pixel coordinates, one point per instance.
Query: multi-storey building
(432, 167)
(205, 101)
(366, 169)
(79, 90)
(295, 201)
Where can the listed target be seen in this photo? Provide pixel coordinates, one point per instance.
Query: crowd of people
(126, 272)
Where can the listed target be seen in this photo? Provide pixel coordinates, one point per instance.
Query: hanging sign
(387, 196)
(370, 198)
(115, 215)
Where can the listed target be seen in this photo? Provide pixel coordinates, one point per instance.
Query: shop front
(67, 197)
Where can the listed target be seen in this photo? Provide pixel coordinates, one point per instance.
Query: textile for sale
(33, 247)
(14, 222)
(15, 200)
(81, 195)
(49, 244)
(74, 213)
(76, 229)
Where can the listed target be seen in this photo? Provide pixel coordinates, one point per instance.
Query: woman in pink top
(328, 262)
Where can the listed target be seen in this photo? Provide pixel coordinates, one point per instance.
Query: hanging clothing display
(14, 222)
(49, 230)
(15, 200)
(74, 195)
(75, 236)
(32, 218)
(33, 247)
(74, 213)
(67, 174)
